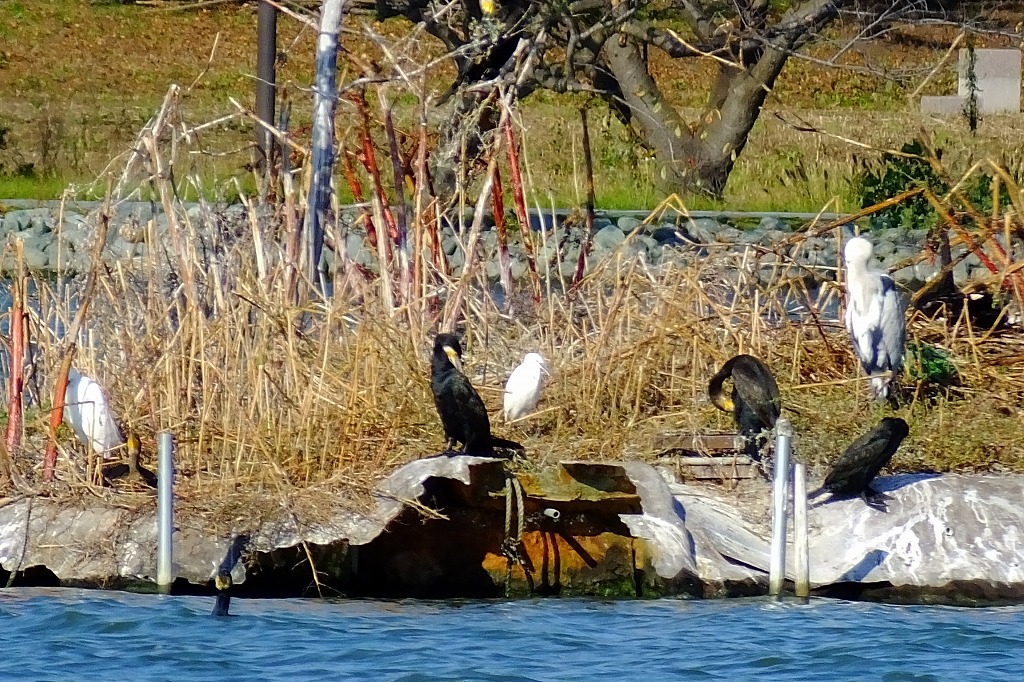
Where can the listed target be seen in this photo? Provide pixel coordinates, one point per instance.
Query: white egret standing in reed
(875, 317)
(522, 390)
(86, 411)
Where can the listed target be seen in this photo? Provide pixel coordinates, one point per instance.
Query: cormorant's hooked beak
(453, 357)
(723, 403)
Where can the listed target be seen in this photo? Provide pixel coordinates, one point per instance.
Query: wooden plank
(728, 468)
(698, 443)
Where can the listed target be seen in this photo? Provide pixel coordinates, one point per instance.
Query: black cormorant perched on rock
(462, 412)
(851, 474)
(755, 403)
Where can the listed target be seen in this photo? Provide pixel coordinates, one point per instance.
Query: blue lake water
(62, 634)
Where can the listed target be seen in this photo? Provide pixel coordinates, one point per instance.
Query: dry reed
(278, 395)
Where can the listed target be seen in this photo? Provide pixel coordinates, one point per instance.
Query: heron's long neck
(857, 274)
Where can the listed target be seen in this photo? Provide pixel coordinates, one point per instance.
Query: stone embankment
(51, 244)
(588, 528)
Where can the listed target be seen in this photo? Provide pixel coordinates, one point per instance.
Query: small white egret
(522, 390)
(875, 317)
(86, 411)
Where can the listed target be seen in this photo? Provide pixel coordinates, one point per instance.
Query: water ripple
(83, 635)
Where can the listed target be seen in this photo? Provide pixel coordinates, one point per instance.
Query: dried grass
(304, 402)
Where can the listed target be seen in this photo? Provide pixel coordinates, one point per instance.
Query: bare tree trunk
(698, 158)
(325, 100)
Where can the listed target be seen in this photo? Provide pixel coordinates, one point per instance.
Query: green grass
(74, 133)
(19, 187)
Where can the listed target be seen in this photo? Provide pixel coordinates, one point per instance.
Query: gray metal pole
(802, 580)
(777, 564)
(266, 78)
(164, 511)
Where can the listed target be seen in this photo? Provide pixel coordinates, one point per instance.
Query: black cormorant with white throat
(755, 403)
(851, 474)
(462, 412)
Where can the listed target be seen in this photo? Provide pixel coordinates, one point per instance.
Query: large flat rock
(943, 535)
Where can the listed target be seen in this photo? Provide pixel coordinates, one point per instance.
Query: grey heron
(875, 317)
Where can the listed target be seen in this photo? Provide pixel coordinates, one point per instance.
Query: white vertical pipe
(164, 511)
(802, 580)
(777, 565)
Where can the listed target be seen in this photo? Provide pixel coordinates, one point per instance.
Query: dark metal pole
(266, 78)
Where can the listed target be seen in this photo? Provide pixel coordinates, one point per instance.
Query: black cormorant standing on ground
(851, 474)
(755, 403)
(462, 412)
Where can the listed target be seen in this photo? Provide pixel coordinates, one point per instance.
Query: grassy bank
(80, 78)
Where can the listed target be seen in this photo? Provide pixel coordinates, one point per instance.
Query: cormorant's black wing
(474, 424)
(862, 460)
(757, 391)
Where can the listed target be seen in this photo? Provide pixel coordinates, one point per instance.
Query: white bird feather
(523, 388)
(875, 317)
(86, 411)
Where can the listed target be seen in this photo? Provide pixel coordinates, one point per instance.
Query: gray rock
(449, 244)
(771, 237)
(24, 219)
(905, 276)
(602, 222)
(489, 241)
(568, 267)
(728, 235)
(492, 269)
(704, 230)
(357, 249)
(457, 259)
(884, 249)
(914, 238)
(548, 251)
(628, 223)
(608, 238)
(749, 237)
(774, 224)
(519, 268)
(925, 271)
(961, 273)
(650, 244)
(121, 249)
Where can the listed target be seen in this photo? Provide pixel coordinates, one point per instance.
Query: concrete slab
(998, 73)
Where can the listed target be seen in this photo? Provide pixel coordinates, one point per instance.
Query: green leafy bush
(896, 174)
